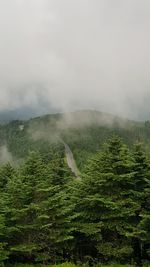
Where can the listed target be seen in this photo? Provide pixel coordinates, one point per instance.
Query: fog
(5, 155)
(75, 54)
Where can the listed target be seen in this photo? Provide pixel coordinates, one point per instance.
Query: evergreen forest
(49, 216)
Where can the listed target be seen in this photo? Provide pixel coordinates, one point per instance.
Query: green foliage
(83, 131)
(37, 210)
(68, 264)
(111, 204)
(103, 204)
(48, 217)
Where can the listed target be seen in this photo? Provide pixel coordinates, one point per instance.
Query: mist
(70, 54)
(5, 155)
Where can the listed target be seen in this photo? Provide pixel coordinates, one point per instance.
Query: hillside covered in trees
(47, 216)
(84, 131)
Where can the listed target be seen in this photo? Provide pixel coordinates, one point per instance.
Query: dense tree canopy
(46, 215)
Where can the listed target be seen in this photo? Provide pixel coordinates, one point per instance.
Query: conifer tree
(105, 206)
(141, 194)
(37, 212)
(6, 173)
(3, 245)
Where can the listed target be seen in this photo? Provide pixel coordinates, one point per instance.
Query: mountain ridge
(84, 131)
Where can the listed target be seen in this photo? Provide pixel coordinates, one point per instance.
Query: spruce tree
(38, 222)
(104, 204)
(141, 194)
(6, 173)
(4, 254)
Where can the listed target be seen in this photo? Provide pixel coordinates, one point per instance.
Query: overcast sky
(76, 54)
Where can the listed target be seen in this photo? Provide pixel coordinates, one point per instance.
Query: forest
(49, 217)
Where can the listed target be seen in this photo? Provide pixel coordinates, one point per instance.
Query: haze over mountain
(74, 133)
(26, 112)
(72, 54)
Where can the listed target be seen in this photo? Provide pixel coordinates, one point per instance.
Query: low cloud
(5, 155)
(74, 54)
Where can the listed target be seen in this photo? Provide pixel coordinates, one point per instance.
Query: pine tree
(6, 173)
(37, 212)
(141, 194)
(104, 204)
(55, 213)
(3, 245)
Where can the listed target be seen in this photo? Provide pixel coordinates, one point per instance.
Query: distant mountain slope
(17, 114)
(84, 131)
(23, 113)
